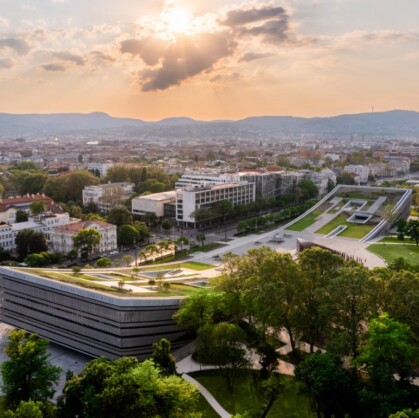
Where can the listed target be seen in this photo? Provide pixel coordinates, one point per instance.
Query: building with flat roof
(87, 320)
(160, 204)
(192, 198)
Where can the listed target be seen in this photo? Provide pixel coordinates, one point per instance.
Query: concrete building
(191, 198)
(161, 204)
(7, 238)
(86, 320)
(62, 237)
(107, 196)
(101, 168)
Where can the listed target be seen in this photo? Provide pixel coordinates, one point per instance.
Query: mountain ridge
(392, 122)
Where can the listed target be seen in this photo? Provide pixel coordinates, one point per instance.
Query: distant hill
(395, 122)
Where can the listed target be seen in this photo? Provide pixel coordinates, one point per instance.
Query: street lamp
(135, 255)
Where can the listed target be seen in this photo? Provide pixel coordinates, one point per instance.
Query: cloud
(241, 17)
(268, 22)
(55, 68)
(252, 56)
(5, 64)
(149, 49)
(17, 45)
(3, 22)
(101, 56)
(69, 57)
(185, 58)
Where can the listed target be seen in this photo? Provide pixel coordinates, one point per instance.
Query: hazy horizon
(208, 60)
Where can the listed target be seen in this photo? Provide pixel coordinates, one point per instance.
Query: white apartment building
(191, 198)
(7, 239)
(62, 237)
(102, 168)
(200, 179)
(156, 203)
(360, 172)
(107, 196)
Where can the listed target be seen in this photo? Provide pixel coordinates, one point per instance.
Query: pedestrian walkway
(208, 396)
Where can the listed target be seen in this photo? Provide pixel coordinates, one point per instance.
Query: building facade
(157, 203)
(62, 237)
(107, 196)
(85, 320)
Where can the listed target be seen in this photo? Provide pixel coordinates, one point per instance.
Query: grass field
(410, 252)
(303, 223)
(353, 230)
(206, 409)
(247, 395)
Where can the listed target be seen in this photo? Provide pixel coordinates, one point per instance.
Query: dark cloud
(5, 64)
(269, 22)
(225, 77)
(55, 68)
(184, 58)
(242, 17)
(20, 46)
(252, 56)
(149, 49)
(69, 57)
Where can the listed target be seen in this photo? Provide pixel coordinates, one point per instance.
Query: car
(257, 242)
(114, 252)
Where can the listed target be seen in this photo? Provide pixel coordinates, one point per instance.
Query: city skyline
(208, 60)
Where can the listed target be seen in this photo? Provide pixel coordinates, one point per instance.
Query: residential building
(107, 196)
(191, 198)
(360, 172)
(7, 239)
(100, 168)
(10, 205)
(62, 236)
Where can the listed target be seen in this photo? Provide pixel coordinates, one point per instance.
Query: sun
(179, 20)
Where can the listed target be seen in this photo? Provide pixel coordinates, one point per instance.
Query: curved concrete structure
(89, 321)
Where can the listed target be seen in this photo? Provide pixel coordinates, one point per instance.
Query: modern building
(161, 204)
(107, 196)
(191, 198)
(86, 320)
(62, 236)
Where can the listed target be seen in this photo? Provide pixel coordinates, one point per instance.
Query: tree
(27, 374)
(143, 231)
(128, 235)
(38, 207)
(412, 230)
(127, 259)
(29, 409)
(29, 241)
(345, 178)
(75, 182)
(401, 228)
(166, 224)
(162, 358)
(86, 241)
(76, 270)
(327, 383)
(127, 388)
(222, 345)
(387, 353)
(21, 216)
(308, 190)
(181, 241)
(318, 267)
(120, 215)
(103, 262)
(200, 237)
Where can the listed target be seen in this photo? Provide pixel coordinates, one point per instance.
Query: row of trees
(323, 300)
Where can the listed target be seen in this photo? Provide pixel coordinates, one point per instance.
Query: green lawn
(303, 223)
(390, 252)
(353, 230)
(195, 265)
(398, 241)
(247, 395)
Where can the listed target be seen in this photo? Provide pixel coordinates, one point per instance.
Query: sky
(208, 59)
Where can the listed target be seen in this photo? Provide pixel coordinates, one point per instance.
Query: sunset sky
(212, 59)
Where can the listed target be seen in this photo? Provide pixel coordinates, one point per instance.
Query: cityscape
(209, 209)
